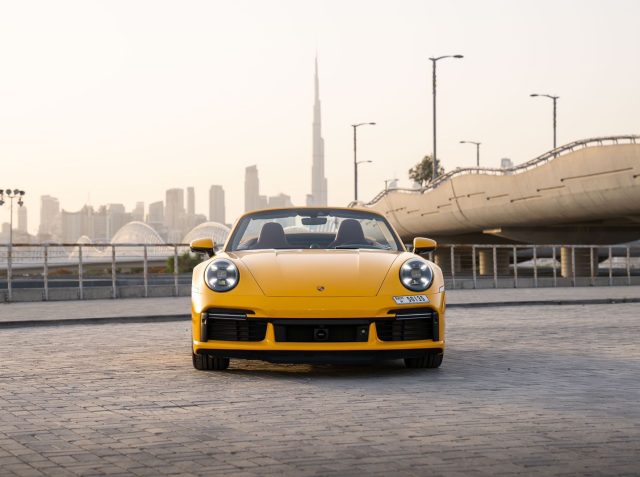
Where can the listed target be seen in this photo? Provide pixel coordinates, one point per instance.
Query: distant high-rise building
(77, 224)
(280, 201)
(191, 201)
(174, 213)
(318, 196)
(216, 204)
(117, 217)
(138, 212)
(251, 189)
(155, 218)
(50, 225)
(156, 213)
(5, 233)
(22, 219)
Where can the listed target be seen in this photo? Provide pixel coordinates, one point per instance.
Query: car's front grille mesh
(235, 330)
(416, 324)
(233, 325)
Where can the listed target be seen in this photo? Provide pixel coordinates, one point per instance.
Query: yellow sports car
(316, 285)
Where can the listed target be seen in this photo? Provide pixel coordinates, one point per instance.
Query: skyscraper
(174, 209)
(138, 212)
(191, 201)
(175, 217)
(22, 219)
(318, 196)
(216, 204)
(251, 189)
(50, 226)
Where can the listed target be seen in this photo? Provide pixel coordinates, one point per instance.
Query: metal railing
(538, 161)
(83, 271)
(554, 265)
(55, 269)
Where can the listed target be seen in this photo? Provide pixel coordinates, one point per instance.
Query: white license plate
(408, 300)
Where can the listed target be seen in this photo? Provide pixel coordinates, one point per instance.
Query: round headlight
(416, 275)
(221, 275)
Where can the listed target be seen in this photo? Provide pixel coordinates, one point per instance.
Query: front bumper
(258, 338)
(266, 342)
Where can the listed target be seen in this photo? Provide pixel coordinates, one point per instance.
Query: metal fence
(87, 271)
(81, 271)
(513, 266)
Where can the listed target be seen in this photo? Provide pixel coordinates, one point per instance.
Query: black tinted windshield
(313, 229)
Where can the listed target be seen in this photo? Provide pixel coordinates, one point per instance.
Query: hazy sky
(116, 101)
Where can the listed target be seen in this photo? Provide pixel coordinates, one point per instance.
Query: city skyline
(181, 110)
(171, 218)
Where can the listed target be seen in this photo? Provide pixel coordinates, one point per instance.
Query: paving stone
(550, 390)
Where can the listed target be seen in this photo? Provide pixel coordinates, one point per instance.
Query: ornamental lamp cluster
(11, 194)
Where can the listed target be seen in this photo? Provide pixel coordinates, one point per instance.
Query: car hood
(316, 273)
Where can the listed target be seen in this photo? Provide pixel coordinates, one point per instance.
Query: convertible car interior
(273, 236)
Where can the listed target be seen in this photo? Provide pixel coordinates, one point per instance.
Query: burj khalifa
(318, 196)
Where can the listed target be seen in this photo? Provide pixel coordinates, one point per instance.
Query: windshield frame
(243, 223)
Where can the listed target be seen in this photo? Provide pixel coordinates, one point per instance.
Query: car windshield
(313, 229)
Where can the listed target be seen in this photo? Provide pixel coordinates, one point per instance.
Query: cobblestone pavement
(137, 307)
(523, 390)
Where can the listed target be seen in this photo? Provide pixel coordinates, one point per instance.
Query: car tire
(204, 362)
(431, 360)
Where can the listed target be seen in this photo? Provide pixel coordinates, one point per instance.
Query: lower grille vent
(410, 325)
(232, 325)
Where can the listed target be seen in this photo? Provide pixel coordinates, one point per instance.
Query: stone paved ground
(523, 390)
(137, 307)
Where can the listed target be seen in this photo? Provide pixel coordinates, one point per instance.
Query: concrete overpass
(585, 192)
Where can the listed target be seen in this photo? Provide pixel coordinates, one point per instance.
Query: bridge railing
(538, 161)
(82, 271)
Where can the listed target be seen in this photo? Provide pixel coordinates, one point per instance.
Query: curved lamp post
(433, 62)
(355, 156)
(477, 150)
(555, 101)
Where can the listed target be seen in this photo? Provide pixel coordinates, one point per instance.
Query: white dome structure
(137, 232)
(213, 230)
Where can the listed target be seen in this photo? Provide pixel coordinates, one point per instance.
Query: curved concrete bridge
(585, 192)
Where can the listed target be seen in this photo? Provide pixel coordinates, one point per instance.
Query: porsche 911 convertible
(316, 285)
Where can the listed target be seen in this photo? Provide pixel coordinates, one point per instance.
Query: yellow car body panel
(308, 284)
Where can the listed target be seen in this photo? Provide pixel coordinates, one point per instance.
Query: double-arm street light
(555, 100)
(11, 194)
(355, 156)
(433, 62)
(477, 150)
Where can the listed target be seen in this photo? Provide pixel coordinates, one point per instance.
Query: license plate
(408, 300)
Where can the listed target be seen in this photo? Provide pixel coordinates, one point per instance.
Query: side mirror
(203, 245)
(423, 245)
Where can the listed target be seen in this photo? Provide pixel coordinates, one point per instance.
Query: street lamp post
(355, 156)
(11, 194)
(555, 101)
(433, 62)
(477, 150)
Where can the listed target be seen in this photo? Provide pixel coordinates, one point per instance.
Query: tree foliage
(186, 262)
(422, 172)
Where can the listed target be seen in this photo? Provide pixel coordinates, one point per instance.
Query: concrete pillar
(583, 262)
(503, 260)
